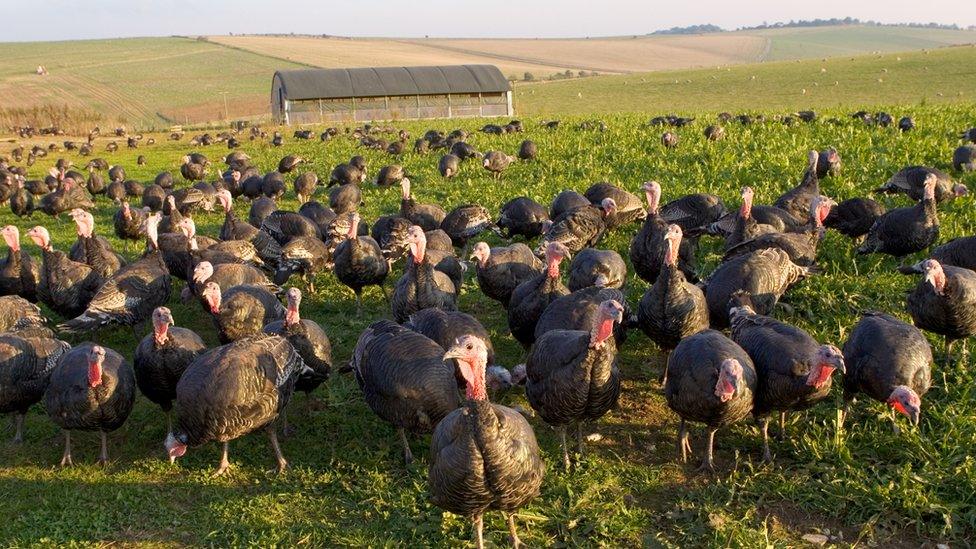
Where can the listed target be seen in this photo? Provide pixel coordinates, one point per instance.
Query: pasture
(347, 485)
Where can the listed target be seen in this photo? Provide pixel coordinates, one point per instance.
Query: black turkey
(66, 286)
(797, 200)
(572, 375)
(828, 163)
(593, 267)
(579, 228)
(20, 274)
(241, 311)
(905, 231)
(912, 181)
(522, 216)
(91, 389)
(345, 198)
(530, 298)
(528, 150)
(130, 223)
(308, 338)
(131, 295)
(693, 210)
(496, 162)
(404, 378)
(958, 252)
(305, 255)
(672, 308)
(964, 158)
(710, 380)
(793, 370)
(500, 270)
(580, 310)
(889, 361)
(390, 175)
(19, 315)
(26, 363)
(483, 456)
(93, 250)
(421, 286)
(428, 216)
(766, 274)
(800, 245)
(627, 206)
(358, 262)
(225, 275)
(161, 358)
(648, 246)
(566, 201)
(466, 222)
(233, 390)
(449, 165)
(445, 327)
(944, 302)
(854, 217)
(268, 248)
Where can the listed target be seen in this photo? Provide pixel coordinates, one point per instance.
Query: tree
(528, 77)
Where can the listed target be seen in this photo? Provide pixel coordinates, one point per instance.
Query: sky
(41, 20)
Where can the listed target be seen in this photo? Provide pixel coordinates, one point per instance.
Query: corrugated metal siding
(390, 81)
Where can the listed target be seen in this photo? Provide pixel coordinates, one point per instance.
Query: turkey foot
(224, 462)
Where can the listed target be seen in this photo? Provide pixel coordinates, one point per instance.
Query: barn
(388, 93)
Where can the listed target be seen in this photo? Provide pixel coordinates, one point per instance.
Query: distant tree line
(832, 22)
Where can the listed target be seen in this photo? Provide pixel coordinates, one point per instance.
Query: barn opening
(389, 93)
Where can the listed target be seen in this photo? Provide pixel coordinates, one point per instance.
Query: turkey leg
(684, 445)
(103, 456)
(66, 458)
(708, 464)
(407, 454)
(224, 462)
(512, 534)
(273, 437)
(18, 427)
(479, 537)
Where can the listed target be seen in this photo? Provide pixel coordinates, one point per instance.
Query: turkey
(390, 232)
(241, 311)
(92, 249)
(905, 231)
(766, 274)
(21, 200)
(285, 226)
(944, 302)
(672, 308)
(267, 248)
(305, 185)
(800, 245)
(428, 216)
(793, 370)
(797, 200)
(710, 380)
(19, 272)
(647, 246)
(496, 162)
(26, 363)
(191, 171)
(346, 174)
(854, 217)
(749, 222)
(522, 216)
(449, 165)
(593, 267)
(464, 150)
(889, 361)
(964, 158)
(572, 375)
(500, 270)
(309, 339)
(68, 197)
(91, 389)
(421, 286)
(19, 315)
(579, 228)
(161, 358)
(306, 255)
(129, 223)
(445, 327)
(390, 175)
(530, 298)
(321, 215)
(483, 456)
(693, 210)
(359, 262)
(466, 222)
(566, 201)
(828, 163)
(627, 207)
(226, 275)
(528, 150)
(580, 310)
(273, 185)
(289, 163)
(66, 286)
(233, 390)
(153, 198)
(345, 198)
(958, 252)
(404, 378)
(131, 295)
(913, 179)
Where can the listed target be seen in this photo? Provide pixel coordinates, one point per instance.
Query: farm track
(513, 58)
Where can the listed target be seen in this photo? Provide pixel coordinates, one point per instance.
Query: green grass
(936, 76)
(347, 485)
(803, 43)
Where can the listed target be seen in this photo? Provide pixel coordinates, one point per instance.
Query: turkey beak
(913, 413)
(454, 353)
(601, 280)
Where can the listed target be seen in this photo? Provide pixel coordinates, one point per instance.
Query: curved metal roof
(390, 81)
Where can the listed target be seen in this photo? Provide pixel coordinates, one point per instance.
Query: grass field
(347, 485)
(935, 76)
(156, 82)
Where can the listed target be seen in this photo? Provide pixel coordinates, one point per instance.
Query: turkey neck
(601, 332)
(160, 334)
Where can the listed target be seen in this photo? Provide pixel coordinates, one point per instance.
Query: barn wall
(397, 108)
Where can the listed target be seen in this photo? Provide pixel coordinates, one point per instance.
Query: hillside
(934, 76)
(157, 82)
